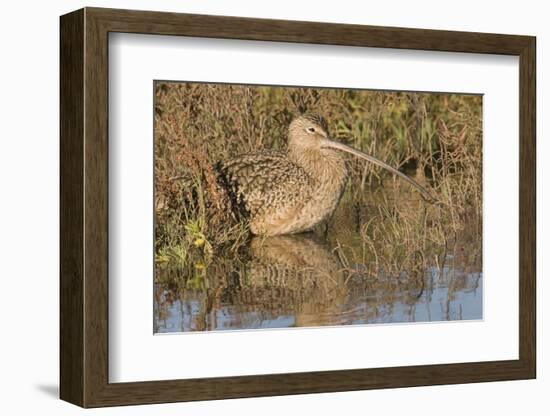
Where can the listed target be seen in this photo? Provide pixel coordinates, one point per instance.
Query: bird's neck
(326, 168)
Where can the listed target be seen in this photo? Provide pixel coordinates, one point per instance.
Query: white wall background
(29, 158)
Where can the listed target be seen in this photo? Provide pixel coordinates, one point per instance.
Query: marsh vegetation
(383, 254)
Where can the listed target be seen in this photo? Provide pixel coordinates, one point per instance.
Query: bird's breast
(314, 204)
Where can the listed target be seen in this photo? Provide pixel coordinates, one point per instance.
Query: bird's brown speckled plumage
(287, 192)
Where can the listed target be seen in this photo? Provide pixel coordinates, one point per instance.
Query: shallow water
(326, 278)
(439, 302)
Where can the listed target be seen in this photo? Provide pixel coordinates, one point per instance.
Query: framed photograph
(255, 207)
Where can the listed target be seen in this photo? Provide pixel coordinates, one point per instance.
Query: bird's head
(307, 132)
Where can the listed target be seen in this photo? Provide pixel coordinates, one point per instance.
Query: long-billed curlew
(287, 192)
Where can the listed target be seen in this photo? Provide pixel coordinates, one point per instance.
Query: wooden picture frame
(84, 207)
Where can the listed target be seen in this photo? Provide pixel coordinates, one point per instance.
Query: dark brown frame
(84, 208)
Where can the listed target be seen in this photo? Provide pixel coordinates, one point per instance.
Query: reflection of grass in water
(401, 237)
(381, 234)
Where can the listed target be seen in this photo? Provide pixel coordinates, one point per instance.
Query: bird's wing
(261, 182)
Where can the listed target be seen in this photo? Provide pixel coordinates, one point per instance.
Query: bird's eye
(311, 130)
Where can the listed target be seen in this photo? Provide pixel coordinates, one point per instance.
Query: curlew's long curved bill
(340, 146)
